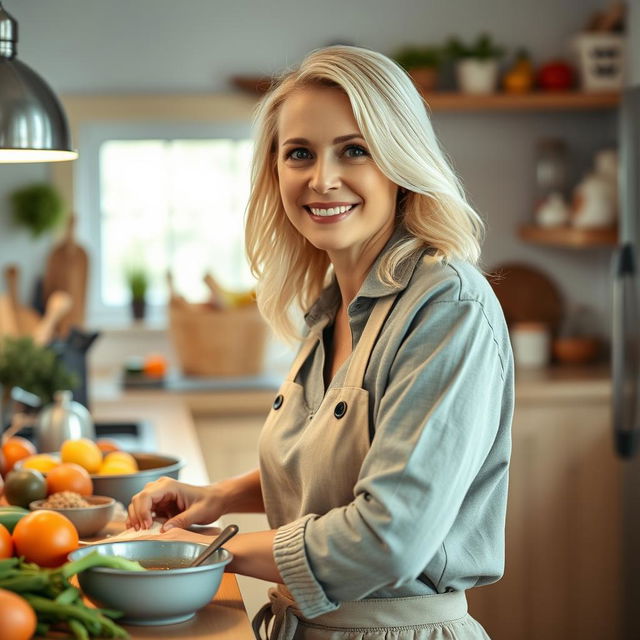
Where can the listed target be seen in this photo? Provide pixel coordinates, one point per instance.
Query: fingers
(161, 492)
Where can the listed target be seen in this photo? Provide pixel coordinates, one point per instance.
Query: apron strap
(303, 354)
(362, 353)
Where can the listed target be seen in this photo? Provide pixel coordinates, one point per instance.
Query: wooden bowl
(579, 350)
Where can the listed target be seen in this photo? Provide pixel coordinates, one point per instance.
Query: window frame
(90, 118)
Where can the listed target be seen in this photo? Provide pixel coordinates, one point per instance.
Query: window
(163, 197)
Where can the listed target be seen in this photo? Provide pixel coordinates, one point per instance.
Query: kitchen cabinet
(563, 576)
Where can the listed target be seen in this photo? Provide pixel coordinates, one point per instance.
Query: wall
(93, 46)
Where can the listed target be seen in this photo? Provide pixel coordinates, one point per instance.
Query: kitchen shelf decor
(569, 237)
(499, 101)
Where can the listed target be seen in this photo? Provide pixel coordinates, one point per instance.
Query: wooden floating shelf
(534, 101)
(499, 101)
(569, 236)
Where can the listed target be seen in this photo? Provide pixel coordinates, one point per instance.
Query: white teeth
(332, 211)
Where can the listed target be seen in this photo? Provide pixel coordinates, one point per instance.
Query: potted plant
(138, 283)
(422, 64)
(33, 368)
(39, 207)
(476, 64)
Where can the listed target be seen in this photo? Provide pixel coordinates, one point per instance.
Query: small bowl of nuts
(89, 514)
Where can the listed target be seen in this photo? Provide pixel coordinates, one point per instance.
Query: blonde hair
(393, 119)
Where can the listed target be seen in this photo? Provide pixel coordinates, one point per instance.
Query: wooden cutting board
(67, 269)
(26, 319)
(527, 294)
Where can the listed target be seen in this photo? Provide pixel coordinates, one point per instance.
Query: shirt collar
(324, 308)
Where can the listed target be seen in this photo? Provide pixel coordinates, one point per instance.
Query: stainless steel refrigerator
(626, 351)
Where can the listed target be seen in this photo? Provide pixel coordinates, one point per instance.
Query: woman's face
(332, 191)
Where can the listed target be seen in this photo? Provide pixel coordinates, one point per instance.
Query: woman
(384, 460)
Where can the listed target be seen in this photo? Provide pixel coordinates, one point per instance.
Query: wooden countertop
(225, 618)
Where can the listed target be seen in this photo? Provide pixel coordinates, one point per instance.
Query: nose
(325, 175)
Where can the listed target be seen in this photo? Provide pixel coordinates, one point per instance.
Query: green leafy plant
(39, 207)
(482, 48)
(32, 367)
(414, 57)
(138, 282)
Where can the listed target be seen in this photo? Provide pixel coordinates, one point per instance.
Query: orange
(14, 449)
(155, 366)
(84, 452)
(43, 462)
(18, 618)
(45, 537)
(69, 476)
(6, 542)
(105, 445)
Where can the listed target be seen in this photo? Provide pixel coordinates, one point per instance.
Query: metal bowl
(123, 486)
(87, 520)
(153, 597)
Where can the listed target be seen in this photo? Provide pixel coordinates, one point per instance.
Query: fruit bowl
(88, 521)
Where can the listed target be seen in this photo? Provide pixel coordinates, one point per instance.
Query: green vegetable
(38, 207)
(57, 602)
(9, 516)
(94, 559)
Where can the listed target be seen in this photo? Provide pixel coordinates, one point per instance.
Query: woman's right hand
(183, 504)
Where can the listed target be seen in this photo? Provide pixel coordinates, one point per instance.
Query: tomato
(69, 476)
(45, 537)
(14, 449)
(23, 486)
(84, 452)
(6, 542)
(18, 618)
(555, 75)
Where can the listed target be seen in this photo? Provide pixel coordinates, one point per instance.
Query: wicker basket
(209, 342)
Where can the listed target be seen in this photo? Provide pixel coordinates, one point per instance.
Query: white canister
(531, 342)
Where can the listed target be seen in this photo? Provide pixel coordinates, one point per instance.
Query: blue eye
(355, 151)
(299, 154)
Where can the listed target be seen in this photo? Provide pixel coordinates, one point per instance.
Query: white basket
(601, 60)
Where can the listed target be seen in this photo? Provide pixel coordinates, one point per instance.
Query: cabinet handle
(624, 352)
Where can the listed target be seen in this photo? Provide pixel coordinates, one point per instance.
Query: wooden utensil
(217, 300)
(175, 299)
(58, 306)
(67, 270)
(27, 318)
(527, 295)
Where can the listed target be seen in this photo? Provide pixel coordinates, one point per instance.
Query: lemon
(84, 452)
(121, 457)
(115, 467)
(40, 462)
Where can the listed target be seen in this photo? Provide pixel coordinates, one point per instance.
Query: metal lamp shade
(33, 126)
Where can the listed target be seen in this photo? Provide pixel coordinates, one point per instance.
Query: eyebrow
(337, 140)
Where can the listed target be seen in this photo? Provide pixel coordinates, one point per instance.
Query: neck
(351, 268)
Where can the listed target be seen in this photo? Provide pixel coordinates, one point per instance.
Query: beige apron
(303, 442)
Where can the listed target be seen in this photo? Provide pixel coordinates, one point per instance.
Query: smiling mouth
(331, 211)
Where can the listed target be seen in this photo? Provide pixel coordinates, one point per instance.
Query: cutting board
(67, 269)
(527, 294)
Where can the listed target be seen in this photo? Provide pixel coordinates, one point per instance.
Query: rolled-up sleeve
(434, 460)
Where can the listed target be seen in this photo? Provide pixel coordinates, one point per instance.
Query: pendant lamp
(33, 125)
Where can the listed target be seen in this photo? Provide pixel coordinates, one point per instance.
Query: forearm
(242, 494)
(253, 556)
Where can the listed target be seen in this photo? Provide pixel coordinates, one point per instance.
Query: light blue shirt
(429, 507)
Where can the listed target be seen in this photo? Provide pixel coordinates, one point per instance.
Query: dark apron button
(340, 410)
(277, 403)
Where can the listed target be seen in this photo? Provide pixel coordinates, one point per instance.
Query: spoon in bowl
(226, 534)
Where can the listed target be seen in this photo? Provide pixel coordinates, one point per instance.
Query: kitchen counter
(225, 618)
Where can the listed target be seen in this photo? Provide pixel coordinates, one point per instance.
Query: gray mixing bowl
(123, 486)
(153, 597)
(89, 521)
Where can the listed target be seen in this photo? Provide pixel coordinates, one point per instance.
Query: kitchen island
(225, 618)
